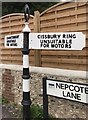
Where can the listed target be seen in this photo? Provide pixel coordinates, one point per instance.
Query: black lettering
(69, 45)
(86, 90)
(41, 41)
(66, 45)
(71, 87)
(62, 45)
(72, 95)
(64, 35)
(8, 41)
(44, 45)
(74, 35)
(48, 36)
(52, 45)
(59, 41)
(70, 41)
(45, 41)
(75, 96)
(78, 96)
(58, 36)
(66, 41)
(8, 37)
(81, 89)
(56, 45)
(63, 41)
(69, 36)
(66, 86)
(62, 86)
(51, 84)
(13, 44)
(54, 36)
(38, 36)
(7, 44)
(58, 85)
(64, 94)
(45, 36)
(51, 36)
(77, 89)
(41, 44)
(56, 41)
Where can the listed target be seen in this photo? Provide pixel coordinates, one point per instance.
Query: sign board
(57, 41)
(62, 41)
(14, 41)
(67, 90)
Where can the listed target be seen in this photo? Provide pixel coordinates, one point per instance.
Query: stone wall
(60, 108)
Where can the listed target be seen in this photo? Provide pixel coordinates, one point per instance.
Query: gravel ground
(10, 111)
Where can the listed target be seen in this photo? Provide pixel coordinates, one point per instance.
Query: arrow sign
(56, 41)
(14, 41)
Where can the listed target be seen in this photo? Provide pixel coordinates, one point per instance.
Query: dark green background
(15, 7)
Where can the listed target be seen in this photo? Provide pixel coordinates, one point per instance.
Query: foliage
(36, 112)
(14, 7)
(0, 100)
(4, 101)
(17, 110)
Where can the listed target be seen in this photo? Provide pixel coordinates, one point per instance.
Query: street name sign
(66, 90)
(54, 41)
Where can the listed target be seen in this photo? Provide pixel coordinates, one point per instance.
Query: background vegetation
(18, 7)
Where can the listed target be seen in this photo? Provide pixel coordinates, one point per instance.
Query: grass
(4, 101)
(36, 111)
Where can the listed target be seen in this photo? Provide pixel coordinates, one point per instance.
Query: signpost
(26, 102)
(54, 41)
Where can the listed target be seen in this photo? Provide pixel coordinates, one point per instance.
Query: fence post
(37, 29)
(45, 99)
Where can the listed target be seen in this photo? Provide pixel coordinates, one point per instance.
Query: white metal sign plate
(62, 41)
(14, 41)
(67, 90)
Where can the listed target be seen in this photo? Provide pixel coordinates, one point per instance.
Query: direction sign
(62, 41)
(67, 90)
(14, 41)
(57, 41)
